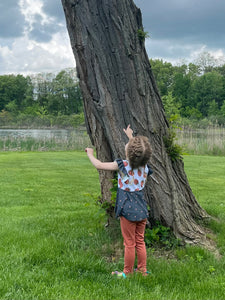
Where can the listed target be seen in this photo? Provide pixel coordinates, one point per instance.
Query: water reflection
(43, 139)
(37, 133)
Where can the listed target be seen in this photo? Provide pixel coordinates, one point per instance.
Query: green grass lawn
(53, 243)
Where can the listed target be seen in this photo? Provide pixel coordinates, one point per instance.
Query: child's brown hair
(138, 151)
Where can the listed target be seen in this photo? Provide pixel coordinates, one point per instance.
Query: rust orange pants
(133, 236)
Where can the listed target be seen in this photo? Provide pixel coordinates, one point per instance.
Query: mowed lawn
(54, 245)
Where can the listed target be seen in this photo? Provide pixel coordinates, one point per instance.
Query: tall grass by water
(78, 140)
(207, 141)
(54, 245)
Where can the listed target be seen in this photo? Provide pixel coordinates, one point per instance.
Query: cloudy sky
(33, 35)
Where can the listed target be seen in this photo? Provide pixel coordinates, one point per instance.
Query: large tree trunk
(119, 89)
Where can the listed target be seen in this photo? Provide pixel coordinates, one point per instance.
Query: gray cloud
(54, 8)
(11, 20)
(13, 23)
(42, 32)
(194, 21)
(177, 28)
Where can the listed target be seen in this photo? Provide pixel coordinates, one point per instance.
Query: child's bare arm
(107, 166)
(129, 132)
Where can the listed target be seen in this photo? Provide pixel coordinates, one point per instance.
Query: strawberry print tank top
(135, 180)
(130, 202)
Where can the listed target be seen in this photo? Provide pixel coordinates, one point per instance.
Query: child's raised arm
(107, 166)
(129, 132)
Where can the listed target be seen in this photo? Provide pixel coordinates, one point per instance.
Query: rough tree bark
(119, 89)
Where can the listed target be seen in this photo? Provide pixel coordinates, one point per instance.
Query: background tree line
(46, 99)
(193, 92)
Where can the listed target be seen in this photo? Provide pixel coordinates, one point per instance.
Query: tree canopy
(42, 93)
(195, 91)
(198, 91)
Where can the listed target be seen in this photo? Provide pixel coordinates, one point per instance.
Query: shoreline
(8, 127)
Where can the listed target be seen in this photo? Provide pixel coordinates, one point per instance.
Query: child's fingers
(89, 150)
(128, 127)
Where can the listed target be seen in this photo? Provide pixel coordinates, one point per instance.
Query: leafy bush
(142, 35)
(174, 150)
(161, 236)
(23, 120)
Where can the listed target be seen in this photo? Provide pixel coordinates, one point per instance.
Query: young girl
(130, 203)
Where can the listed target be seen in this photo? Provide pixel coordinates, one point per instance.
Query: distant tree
(191, 113)
(28, 100)
(22, 85)
(172, 108)
(181, 69)
(58, 94)
(198, 89)
(163, 73)
(193, 71)
(206, 62)
(223, 109)
(42, 88)
(213, 109)
(12, 107)
(13, 88)
(206, 88)
(221, 70)
(65, 97)
(181, 89)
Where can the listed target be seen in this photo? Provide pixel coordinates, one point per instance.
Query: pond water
(36, 133)
(43, 139)
(199, 141)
